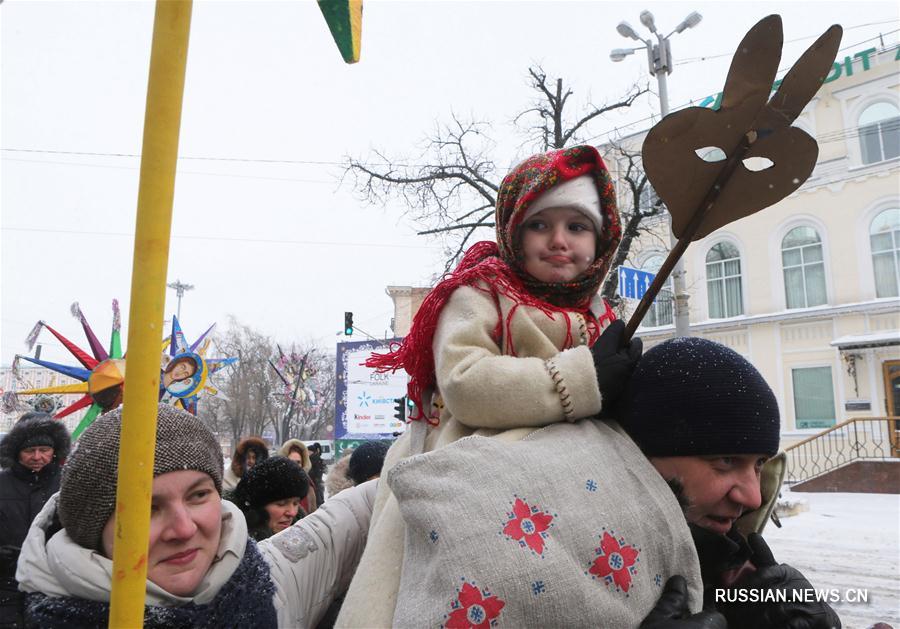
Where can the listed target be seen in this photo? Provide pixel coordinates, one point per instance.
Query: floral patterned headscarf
(528, 181)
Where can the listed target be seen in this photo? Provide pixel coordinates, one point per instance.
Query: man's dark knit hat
(87, 495)
(274, 479)
(367, 460)
(691, 396)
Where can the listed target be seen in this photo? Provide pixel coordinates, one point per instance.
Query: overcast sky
(262, 228)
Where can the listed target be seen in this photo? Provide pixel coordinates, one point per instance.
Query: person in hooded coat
(338, 478)
(30, 455)
(296, 451)
(317, 472)
(203, 571)
(249, 452)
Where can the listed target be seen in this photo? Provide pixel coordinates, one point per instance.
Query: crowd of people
(472, 518)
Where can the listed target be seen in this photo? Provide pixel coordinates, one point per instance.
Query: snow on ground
(846, 541)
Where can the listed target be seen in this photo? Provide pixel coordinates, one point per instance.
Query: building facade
(809, 288)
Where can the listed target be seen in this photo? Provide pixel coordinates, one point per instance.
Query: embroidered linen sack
(570, 527)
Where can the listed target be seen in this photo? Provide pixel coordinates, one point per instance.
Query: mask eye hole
(711, 154)
(756, 164)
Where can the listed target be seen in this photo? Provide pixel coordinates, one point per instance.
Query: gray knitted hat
(88, 487)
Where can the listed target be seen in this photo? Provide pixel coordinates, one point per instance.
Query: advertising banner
(365, 399)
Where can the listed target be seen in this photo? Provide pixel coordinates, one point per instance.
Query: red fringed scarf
(481, 263)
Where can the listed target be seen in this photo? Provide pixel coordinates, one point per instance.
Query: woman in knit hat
(269, 496)
(516, 338)
(249, 452)
(202, 570)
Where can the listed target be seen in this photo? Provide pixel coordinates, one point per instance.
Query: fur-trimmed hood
(240, 453)
(337, 479)
(296, 444)
(31, 425)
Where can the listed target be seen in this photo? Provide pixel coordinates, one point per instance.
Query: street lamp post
(180, 289)
(659, 58)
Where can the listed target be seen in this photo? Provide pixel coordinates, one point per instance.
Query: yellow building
(809, 289)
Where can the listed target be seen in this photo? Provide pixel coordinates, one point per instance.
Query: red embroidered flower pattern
(616, 563)
(474, 609)
(528, 526)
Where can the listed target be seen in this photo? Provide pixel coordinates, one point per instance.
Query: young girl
(508, 342)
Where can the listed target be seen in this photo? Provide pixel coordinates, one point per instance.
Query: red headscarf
(500, 266)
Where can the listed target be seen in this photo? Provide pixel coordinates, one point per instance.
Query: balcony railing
(857, 439)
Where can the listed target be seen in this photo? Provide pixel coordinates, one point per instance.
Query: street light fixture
(625, 30)
(180, 288)
(659, 58)
(617, 54)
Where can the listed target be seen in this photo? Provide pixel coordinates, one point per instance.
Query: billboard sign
(365, 399)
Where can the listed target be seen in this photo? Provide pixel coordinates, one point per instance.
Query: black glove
(789, 614)
(671, 611)
(614, 363)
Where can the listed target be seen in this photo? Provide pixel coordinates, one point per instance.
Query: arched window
(804, 268)
(648, 198)
(661, 311)
(723, 281)
(879, 132)
(884, 236)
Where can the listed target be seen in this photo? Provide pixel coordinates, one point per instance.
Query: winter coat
(236, 470)
(489, 388)
(316, 475)
(22, 496)
(310, 563)
(292, 444)
(337, 479)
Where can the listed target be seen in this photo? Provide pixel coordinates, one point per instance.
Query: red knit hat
(500, 266)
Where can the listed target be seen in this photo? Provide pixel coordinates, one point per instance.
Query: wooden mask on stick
(703, 196)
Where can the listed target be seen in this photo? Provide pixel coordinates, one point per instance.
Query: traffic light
(348, 323)
(400, 408)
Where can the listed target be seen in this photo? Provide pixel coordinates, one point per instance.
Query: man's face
(718, 489)
(36, 457)
(185, 527)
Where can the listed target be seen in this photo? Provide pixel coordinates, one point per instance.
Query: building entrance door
(891, 369)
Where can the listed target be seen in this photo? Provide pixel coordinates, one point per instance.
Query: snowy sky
(262, 228)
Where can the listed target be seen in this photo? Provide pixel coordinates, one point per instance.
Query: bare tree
(451, 187)
(306, 377)
(246, 406)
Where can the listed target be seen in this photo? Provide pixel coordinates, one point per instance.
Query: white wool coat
(311, 562)
(485, 391)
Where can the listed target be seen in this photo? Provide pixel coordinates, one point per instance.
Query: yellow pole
(162, 120)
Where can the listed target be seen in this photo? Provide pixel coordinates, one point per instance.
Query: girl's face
(282, 513)
(558, 244)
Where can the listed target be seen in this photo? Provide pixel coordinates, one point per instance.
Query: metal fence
(858, 439)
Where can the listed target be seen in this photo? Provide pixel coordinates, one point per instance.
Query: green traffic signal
(348, 323)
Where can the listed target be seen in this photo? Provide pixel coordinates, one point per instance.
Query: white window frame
(854, 101)
(777, 266)
(877, 101)
(701, 264)
(866, 271)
